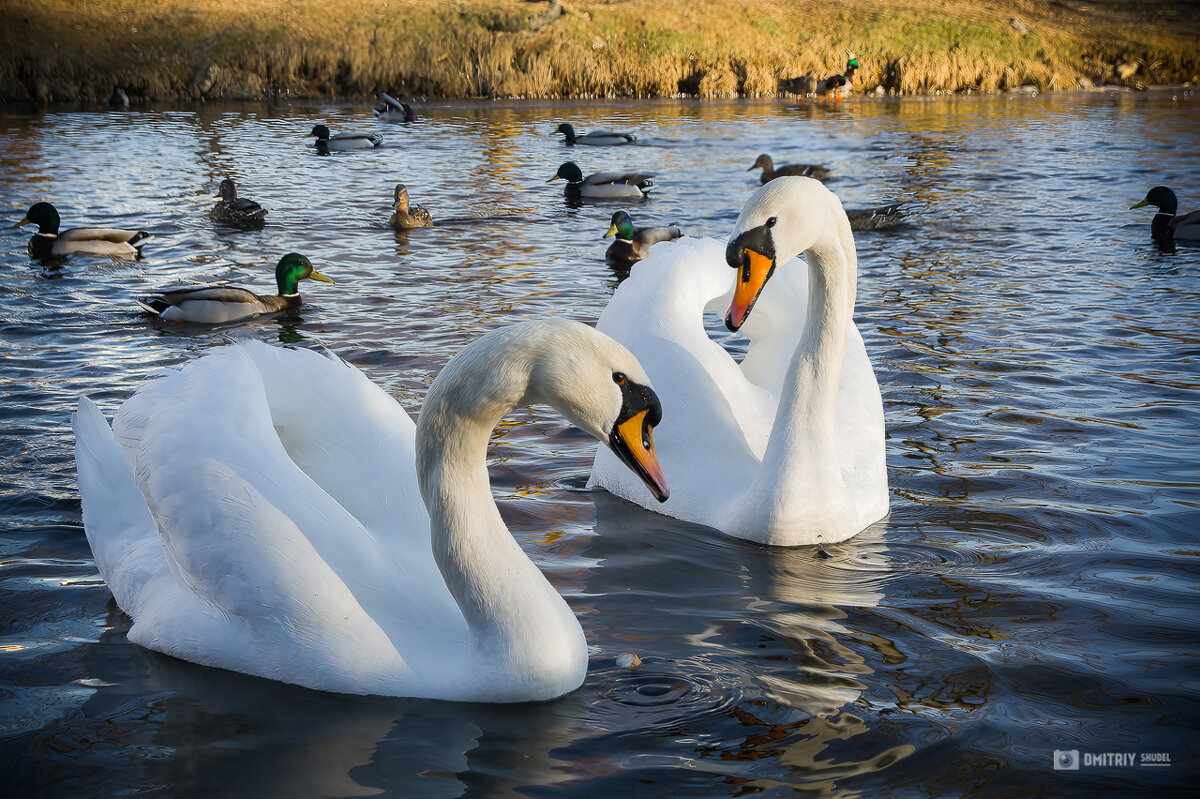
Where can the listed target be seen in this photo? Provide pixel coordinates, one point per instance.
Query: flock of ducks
(318, 536)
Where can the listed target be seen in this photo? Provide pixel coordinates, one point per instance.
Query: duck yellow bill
(752, 276)
(633, 442)
(612, 231)
(315, 275)
(1139, 205)
(24, 221)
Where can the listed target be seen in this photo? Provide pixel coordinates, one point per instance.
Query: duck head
(291, 269)
(568, 172)
(44, 215)
(621, 227)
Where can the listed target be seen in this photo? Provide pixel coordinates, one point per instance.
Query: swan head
(779, 221)
(601, 388)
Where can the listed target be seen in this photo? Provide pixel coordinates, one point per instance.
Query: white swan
(259, 511)
(786, 448)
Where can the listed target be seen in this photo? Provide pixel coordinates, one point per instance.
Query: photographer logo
(1066, 760)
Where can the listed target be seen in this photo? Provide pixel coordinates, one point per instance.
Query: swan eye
(771, 222)
(619, 378)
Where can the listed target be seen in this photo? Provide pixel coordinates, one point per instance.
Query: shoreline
(55, 51)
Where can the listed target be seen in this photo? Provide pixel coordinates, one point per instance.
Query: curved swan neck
(505, 600)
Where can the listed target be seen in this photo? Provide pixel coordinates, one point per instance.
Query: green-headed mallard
(213, 305)
(234, 210)
(344, 141)
(595, 137)
(633, 244)
(408, 216)
(1166, 226)
(392, 110)
(604, 185)
(770, 171)
(839, 85)
(48, 242)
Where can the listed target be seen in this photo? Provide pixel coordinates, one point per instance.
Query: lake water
(1033, 590)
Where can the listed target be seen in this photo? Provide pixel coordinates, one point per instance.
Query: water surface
(1033, 589)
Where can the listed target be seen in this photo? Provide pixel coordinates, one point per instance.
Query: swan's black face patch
(631, 437)
(752, 253)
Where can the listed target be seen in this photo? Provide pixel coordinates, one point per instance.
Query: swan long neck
(504, 598)
(803, 447)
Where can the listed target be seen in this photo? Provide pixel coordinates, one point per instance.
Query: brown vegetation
(56, 50)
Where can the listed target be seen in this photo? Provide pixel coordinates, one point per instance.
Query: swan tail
(116, 519)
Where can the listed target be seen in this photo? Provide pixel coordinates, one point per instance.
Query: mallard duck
(48, 242)
(770, 171)
(408, 216)
(785, 447)
(344, 141)
(804, 85)
(633, 244)
(1166, 226)
(603, 185)
(217, 304)
(234, 210)
(392, 110)
(596, 137)
(878, 218)
(839, 85)
(271, 511)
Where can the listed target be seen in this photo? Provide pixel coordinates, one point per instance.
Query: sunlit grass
(71, 49)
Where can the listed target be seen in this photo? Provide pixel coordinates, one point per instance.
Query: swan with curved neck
(793, 451)
(289, 539)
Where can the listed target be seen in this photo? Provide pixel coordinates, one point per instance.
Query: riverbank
(61, 51)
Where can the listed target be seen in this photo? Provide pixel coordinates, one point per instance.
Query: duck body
(880, 217)
(604, 185)
(405, 215)
(340, 142)
(785, 448)
(273, 512)
(48, 242)
(219, 304)
(596, 138)
(770, 171)
(1167, 225)
(234, 210)
(632, 244)
(392, 110)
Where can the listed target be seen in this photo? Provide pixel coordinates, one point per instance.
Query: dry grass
(79, 49)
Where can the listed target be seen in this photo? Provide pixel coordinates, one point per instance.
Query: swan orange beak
(633, 442)
(753, 272)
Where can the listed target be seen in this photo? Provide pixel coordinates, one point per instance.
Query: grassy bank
(65, 50)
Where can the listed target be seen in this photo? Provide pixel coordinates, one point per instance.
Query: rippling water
(1033, 590)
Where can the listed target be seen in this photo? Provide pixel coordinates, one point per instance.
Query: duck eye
(771, 222)
(619, 378)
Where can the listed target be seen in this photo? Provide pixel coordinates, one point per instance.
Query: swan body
(234, 210)
(603, 185)
(48, 242)
(787, 447)
(601, 138)
(407, 216)
(271, 511)
(1166, 225)
(633, 244)
(392, 110)
(218, 304)
(770, 171)
(339, 142)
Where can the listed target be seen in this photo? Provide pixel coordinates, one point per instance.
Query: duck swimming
(633, 244)
(603, 185)
(48, 242)
(406, 216)
(770, 171)
(344, 141)
(217, 304)
(234, 210)
(392, 110)
(1166, 225)
(271, 511)
(785, 448)
(601, 138)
